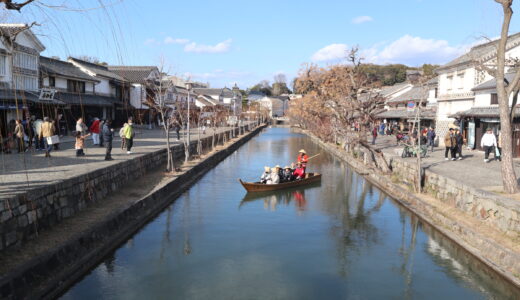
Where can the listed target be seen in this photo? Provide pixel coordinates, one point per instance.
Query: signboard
(47, 94)
(471, 135)
(410, 106)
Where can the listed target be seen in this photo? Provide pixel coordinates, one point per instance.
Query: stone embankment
(487, 225)
(107, 206)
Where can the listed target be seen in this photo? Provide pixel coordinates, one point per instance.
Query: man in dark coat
(108, 135)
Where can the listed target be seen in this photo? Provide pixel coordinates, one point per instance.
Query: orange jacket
(303, 158)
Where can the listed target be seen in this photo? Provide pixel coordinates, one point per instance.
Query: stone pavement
(471, 170)
(30, 170)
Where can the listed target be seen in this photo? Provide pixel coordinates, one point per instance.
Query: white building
(458, 78)
(19, 72)
(275, 106)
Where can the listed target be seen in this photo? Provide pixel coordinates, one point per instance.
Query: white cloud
(221, 47)
(362, 19)
(170, 40)
(330, 53)
(414, 51)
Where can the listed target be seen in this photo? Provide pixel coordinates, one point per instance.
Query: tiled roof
(85, 99)
(52, 67)
(20, 95)
(227, 93)
(389, 90)
(134, 74)
(492, 84)
(207, 91)
(98, 69)
(483, 112)
(483, 52)
(204, 101)
(405, 114)
(416, 93)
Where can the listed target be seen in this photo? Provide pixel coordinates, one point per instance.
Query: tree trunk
(509, 179)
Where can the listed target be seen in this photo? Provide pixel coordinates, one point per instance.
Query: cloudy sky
(229, 41)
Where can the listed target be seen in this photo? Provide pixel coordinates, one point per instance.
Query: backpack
(122, 132)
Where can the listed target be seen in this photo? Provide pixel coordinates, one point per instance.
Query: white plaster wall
(136, 95)
(24, 40)
(482, 99)
(446, 108)
(89, 87)
(103, 87)
(61, 83)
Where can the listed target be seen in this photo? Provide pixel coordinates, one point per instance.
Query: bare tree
(9, 4)
(504, 91)
(280, 78)
(162, 90)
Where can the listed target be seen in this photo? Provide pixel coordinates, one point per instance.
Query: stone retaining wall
(500, 212)
(51, 273)
(502, 260)
(24, 215)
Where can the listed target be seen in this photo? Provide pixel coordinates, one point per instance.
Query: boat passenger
(266, 175)
(299, 173)
(274, 178)
(287, 174)
(303, 158)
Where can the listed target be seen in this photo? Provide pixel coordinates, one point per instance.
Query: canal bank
(341, 239)
(447, 206)
(44, 266)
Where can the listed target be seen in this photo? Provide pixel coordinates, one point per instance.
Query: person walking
(450, 142)
(430, 135)
(95, 130)
(108, 135)
(81, 127)
(80, 143)
(129, 136)
(47, 130)
(460, 142)
(29, 130)
(499, 146)
(374, 135)
(101, 140)
(122, 136)
(19, 135)
(488, 143)
(177, 128)
(37, 134)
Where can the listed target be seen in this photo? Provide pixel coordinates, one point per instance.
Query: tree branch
(9, 4)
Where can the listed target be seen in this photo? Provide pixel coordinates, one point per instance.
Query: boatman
(303, 158)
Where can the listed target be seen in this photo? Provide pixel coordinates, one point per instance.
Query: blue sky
(229, 41)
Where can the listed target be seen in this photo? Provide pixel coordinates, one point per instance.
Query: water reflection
(341, 238)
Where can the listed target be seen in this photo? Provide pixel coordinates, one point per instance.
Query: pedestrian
(460, 142)
(29, 130)
(430, 135)
(56, 128)
(80, 143)
(81, 127)
(38, 140)
(19, 135)
(488, 143)
(95, 130)
(108, 135)
(122, 136)
(129, 136)
(101, 141)
(177, 128)
(499, 146)
(450, 142)
(47, 131)
(374, 135)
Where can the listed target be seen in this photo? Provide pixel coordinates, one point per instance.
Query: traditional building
(19, 60)
(458, 78)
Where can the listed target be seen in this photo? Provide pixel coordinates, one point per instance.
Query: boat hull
(260, 187)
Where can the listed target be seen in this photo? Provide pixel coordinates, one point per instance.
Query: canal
(340, 239)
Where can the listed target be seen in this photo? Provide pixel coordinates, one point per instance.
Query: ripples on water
(339, 239)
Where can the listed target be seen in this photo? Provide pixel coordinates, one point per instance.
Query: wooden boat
(260, 187)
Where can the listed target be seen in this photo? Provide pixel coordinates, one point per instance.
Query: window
(52, 81)
(26, 61)
(450, 82)
(494, 99)
(460, 81)
(75, 86)
(436, 92)
(22, 82)
(3, 65)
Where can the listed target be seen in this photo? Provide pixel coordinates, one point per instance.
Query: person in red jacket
(303, 158)
(95, 130)
(299, 172)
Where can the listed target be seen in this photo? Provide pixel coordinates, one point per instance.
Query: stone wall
(500, 212)
(23, 216)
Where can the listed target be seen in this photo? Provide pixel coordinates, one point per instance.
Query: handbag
(51, 140)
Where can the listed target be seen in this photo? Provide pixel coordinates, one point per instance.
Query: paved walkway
(30, 170)
(471, 170)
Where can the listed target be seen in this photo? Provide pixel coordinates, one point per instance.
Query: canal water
(340, 239)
